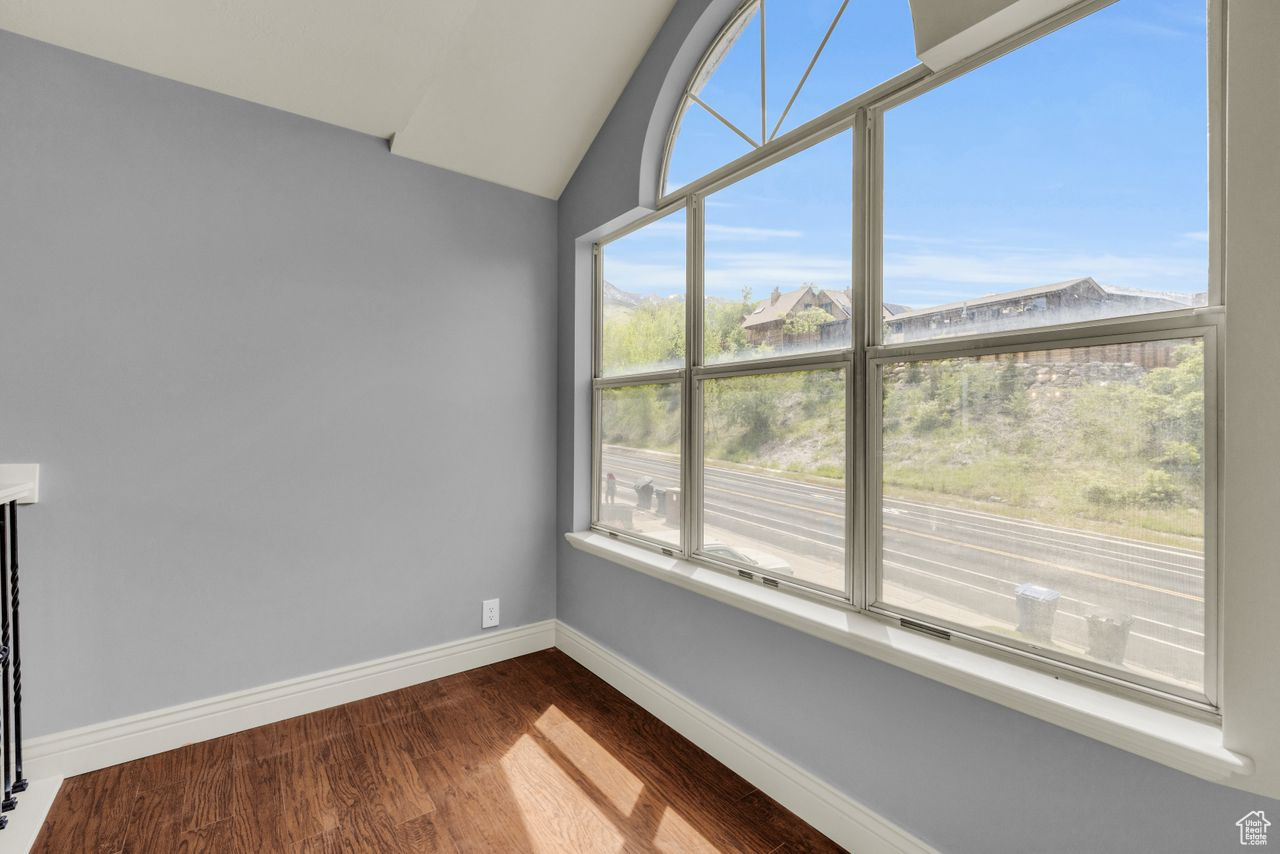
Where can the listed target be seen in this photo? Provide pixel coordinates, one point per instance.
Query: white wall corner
(829, 810)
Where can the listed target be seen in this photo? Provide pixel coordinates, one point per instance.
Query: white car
(762, 561)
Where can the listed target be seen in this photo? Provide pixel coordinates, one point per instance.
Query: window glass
(873, 41)
(1064, 182)
(818, 55)
(1051, 499)
(1055, 497)
(731, 78)
(703, 144)
(778, 251)
(642, 300)
(774, 474)
(640, 461)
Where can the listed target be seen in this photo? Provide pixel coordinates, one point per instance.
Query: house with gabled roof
(766, 325)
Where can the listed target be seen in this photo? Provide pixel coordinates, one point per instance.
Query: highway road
(959, 563)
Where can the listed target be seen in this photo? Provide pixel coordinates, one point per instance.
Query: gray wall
(964, 774)
(283, 386)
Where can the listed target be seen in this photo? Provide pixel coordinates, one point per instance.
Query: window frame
(825, 361)
(861, 358)
(640, 378)
(1187, 326)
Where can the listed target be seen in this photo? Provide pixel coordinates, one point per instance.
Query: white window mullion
(864, 171)
(691, 477)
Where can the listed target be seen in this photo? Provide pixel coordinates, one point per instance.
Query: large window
(1053, 497)
(640, 386)
(946, 353)
(773, 494)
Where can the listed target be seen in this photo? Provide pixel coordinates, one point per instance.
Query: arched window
(942, 349)
(776, 66)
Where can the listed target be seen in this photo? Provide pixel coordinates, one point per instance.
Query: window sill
(1187, 744)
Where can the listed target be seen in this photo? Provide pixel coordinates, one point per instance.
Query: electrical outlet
(489, 614)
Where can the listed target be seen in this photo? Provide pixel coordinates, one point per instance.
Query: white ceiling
(512, 91)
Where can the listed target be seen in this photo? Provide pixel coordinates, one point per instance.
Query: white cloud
(728, 272)
(1198, 236)
(646, 279)
(750, 232)
(972, 274)
(919, 239)
(917, 271)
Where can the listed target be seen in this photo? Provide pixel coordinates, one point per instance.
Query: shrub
(1157, 487)
(931, 415)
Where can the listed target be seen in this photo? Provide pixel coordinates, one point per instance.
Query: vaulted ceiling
(511, 91)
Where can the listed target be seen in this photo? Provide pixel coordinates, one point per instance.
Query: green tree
(647, 335)
(723, 332)
(805, 322)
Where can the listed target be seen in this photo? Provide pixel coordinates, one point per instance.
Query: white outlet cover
(489, 614)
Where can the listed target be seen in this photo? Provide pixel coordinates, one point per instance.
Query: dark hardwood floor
(533, 754)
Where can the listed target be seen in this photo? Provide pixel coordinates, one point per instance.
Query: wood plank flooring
(535, 754)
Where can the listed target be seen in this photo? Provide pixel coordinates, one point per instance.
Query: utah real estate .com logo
(1253, 828)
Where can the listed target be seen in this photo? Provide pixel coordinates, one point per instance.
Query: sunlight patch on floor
(678, 836)
(610, 776)
(542, 789)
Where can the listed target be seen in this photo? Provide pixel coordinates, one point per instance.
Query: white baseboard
(89, 748)
(50, 758)
(840, 817)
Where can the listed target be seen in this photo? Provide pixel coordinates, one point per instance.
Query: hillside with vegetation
(649, 331)
(1106, 441)
(1074, 437)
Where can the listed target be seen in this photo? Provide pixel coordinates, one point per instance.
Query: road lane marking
(1051, 565)
(810, 510)
(753, 496)
(799, 486)
(943, 578)
(1072, 532)
(730, 512)
(836, 494)
(722, 490)
(739, 517)
(1154, 563)
(1170, 626)
(1046, 542)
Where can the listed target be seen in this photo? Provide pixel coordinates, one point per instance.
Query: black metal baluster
(19, 781)
(9, 801)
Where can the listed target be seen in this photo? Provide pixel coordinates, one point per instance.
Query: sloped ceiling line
(510, 91)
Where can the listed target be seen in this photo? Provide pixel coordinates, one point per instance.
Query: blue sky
(1083, 153)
